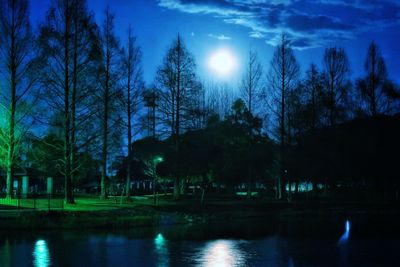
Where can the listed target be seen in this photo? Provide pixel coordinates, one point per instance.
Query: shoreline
(188, 213)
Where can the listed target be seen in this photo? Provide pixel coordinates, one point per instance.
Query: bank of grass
(90, 212)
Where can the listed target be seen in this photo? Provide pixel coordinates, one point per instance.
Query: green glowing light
(161, 250)
(159, 240)
(41, 255)
(158, 159)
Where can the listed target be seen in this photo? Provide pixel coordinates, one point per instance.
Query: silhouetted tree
(336, 70)
(375, 86)
(133, 88)
(55, 52)
(85, 58)
(314, 96)
(177, 78)
(282, 78)
(109, 92)
(251, 81)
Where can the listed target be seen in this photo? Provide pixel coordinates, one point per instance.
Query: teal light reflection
(161, 250)
(41, 255)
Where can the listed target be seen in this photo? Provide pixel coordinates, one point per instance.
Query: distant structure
(150, 98)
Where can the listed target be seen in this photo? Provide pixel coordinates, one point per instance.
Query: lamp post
(156, 160)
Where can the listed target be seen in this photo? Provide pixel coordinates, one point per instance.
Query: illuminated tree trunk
(15, 64)
(13, 87)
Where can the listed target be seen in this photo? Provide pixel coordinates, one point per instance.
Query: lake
(301, 242)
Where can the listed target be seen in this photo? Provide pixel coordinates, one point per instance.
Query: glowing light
(161, 250)
(221, 253)
(158, 159)
(223, 63)
(346, 235)
(41, 255)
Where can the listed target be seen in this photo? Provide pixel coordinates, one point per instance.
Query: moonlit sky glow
(222, 63)
(206, 25)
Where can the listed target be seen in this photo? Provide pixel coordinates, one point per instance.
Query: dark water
(305, 242)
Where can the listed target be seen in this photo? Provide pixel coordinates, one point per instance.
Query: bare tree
(282, 78)
(176, 76)
(219, 98)
(55, 47)
(69, 54)
(336, 70)
(313, 86)
(85, 58)
(133, 89)
(17, 62)
(109, 77)
(374, 88)
(251, 81)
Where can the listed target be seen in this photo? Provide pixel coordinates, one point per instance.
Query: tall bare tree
(133, 89)
(374, 87)
(85, 58)
(284, 72)
(109, 77)
(16, 67)
(55, 52)
(336, 70)
(176, 76)
(68, 43)
(251, 81)
(313, 86)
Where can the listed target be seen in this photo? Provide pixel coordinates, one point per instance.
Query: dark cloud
(310, 23)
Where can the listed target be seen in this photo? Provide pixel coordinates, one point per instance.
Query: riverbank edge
(151, 216)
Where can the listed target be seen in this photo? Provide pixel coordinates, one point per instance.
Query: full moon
(222, 62)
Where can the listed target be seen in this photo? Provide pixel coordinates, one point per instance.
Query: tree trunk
(129, 158)
(282, 146)
(73, 99)
(177, 125)
(11, 126)
(249, 183)
(67, 146)
(106, 109)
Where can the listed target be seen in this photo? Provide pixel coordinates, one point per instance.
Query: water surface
(310, 242)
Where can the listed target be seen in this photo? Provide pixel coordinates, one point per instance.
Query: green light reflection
(161, 250)
(41, 255)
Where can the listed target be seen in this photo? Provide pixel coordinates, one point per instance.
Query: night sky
(237, 25)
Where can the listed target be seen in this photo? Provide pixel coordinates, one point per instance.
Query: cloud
(220, 37)
(309, 23)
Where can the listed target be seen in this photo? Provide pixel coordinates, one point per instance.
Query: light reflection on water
(41, 255)
(221, 253)
(161, 249)
(298, 244)
(344, 238)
